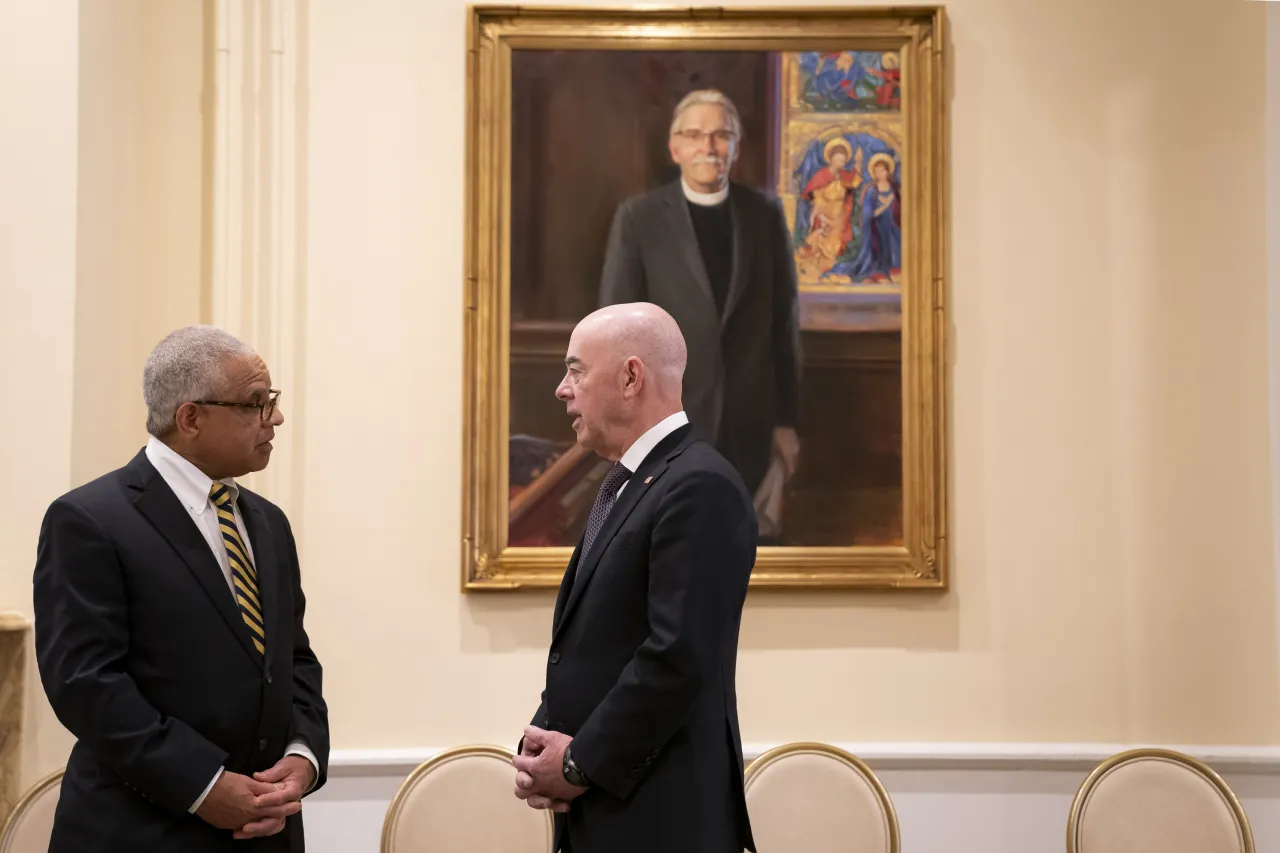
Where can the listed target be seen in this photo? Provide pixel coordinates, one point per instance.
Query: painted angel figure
(832, 191)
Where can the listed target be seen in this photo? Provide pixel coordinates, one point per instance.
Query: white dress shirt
(192, 486)
(645, 444)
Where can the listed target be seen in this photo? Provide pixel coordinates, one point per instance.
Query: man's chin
(710, 181)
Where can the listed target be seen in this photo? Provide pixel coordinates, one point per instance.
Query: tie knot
(219, 493)
(618, 474)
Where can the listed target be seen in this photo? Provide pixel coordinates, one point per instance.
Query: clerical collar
(706, 199)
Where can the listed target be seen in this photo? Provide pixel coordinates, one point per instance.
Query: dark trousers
(566, 847)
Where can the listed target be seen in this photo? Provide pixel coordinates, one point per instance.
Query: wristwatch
(572, 774)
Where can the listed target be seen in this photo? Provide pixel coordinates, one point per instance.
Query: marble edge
(12, 621)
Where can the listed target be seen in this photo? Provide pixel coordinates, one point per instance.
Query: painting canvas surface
(823, 140)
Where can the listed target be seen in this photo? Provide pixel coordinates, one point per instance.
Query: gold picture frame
(887, 64)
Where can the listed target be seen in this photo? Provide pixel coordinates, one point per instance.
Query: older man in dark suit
(716, 255)
(169, 627)
(636, 742)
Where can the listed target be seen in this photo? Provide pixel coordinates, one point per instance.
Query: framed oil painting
(813, 311)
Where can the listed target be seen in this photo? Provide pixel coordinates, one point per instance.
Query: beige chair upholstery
(1156, 801)
(30, 824)
(463, 801)
(818, 799)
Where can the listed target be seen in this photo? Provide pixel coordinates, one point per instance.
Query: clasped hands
(257, 805)
(539, 767)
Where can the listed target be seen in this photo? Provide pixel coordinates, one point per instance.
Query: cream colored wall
(109, 247)
(38, 90)
(1111, 499)
(100, 219)
(139, 223)
(38, 85)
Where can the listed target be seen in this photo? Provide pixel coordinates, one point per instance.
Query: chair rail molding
(922, 755)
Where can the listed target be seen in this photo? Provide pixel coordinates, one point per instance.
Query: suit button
(635, 771)
(555, 657)
(262, 744)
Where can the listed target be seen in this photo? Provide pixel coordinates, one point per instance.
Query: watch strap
(572, 773)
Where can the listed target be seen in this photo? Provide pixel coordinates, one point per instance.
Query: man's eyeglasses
(718, 137)
(265, 410)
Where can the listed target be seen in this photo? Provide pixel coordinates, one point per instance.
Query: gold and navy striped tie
(243, 574)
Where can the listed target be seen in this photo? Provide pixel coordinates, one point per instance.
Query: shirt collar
(706, 199)
(645, 444)
(188, 482)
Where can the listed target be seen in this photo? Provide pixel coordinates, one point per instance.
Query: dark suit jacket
(146, 660)
(742, 378)
(641, 669)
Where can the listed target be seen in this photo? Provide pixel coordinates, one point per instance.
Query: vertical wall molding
(255, 276)
(1272, 178)
(1272, 173)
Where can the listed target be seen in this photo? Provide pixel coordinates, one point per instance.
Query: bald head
(643, 331)
(625, 367)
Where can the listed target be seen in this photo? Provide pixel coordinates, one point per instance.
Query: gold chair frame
(852, 761)
(1130, 755)
(24, 804)
(443, 757)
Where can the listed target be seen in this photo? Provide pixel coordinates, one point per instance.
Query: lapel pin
(648, 480)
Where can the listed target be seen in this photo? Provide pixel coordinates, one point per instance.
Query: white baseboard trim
(896, 756)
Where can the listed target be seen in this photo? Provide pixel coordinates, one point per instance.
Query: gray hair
(708, 96)
(189, 364)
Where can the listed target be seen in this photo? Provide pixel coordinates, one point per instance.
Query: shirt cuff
(300, 748)
(200, 799)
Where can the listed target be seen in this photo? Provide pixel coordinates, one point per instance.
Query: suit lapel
(646, 474)
(637, 485)
(741, 257)
(161, 507)
(566, 586)
(686, 241)
(264, 563)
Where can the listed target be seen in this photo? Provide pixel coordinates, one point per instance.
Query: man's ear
(186, 421)
(633, 374)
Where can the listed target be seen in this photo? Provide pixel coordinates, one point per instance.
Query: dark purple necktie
(613, 481)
